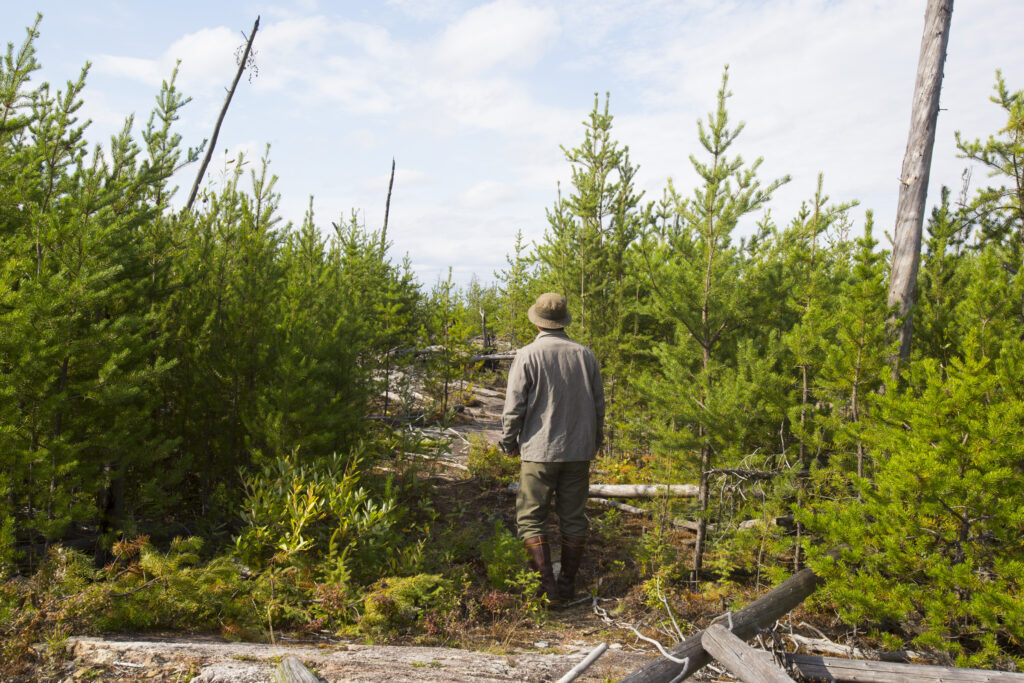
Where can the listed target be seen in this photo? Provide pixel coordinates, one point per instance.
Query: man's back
(554, 404)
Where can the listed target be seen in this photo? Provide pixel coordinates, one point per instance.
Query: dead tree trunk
(387, 210)
(906, 252)
(220, 118)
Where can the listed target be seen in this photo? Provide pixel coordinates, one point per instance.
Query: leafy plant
(394, 604)
(490, 464)
(315, 515)
(504, 556)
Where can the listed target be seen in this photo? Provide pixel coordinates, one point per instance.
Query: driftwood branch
(740, 659)
(220, 118)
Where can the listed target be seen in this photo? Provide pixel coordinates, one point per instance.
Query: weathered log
(644, 490)
(740, 659)
(575, 672)
(815, 667)
(488, 393)
(759, 614)
(503, 355)
(634, 490)
(291, 670)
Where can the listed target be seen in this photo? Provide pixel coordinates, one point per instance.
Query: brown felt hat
(550, 312)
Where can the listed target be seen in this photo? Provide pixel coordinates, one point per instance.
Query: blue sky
(474, 99)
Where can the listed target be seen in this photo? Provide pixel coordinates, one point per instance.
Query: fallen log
(690, 655)
(740, 659)
(634, 490)
(488, 393)
(443, 459)
(634, 510)
(815, 667)
(480, 358)
(291, 670)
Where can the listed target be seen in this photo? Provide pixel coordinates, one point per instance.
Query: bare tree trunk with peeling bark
(906, 253)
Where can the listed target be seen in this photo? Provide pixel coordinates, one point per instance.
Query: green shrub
(933, 538)
(317, 514)
(504, 555)
(394, 604)
(489, 464)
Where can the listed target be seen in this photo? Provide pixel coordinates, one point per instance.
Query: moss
(394, 604)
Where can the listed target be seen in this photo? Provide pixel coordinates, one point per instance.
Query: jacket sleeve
(516, 397)
(598, 390)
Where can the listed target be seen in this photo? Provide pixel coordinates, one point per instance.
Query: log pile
(725, 641)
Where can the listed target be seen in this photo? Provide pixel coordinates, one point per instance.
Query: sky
(475, 100)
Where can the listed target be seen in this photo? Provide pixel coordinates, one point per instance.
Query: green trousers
(568, 483)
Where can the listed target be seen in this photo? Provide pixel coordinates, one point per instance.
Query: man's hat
(550, 312)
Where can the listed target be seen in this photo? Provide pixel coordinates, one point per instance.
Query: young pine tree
(696, 285)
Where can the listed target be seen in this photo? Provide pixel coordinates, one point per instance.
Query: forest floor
(520, 649)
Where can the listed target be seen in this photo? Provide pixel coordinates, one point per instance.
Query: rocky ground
(212, 660)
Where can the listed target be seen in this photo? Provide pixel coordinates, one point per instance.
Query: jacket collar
(552, 333)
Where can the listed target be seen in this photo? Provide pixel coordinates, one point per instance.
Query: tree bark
(742, 661)
(906, 253)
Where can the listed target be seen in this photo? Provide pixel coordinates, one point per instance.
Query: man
(554, 421)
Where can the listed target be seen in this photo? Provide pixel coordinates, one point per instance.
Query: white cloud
(404, 178)
(207, 61)
(488, 193)
(147, 71)
(503, 33)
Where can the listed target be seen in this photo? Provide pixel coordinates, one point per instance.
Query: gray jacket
(554, 404)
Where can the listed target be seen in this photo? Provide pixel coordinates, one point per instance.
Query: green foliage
(999, 210)
(589, 256)
(934, 537)
(518, 289)
(147, 354)
(504, 556)
(696, 275)
(167, 372)
(317, 516)
(449, 368)
(490, 464)
(394, 604)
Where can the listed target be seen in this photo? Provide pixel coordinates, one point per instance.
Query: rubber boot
(572, 555)
(540, 561)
